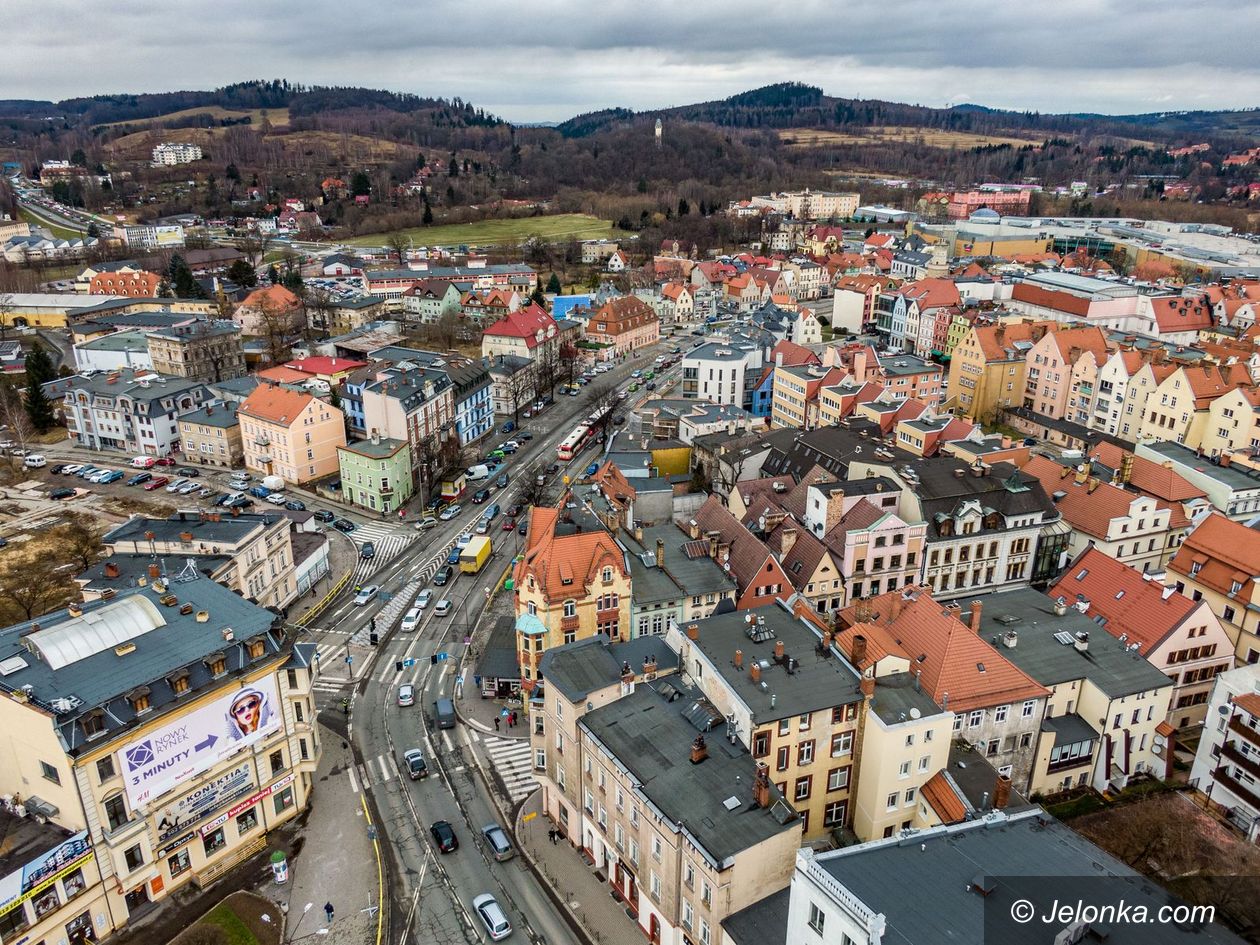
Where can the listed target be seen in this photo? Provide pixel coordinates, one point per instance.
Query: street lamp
(305, 909)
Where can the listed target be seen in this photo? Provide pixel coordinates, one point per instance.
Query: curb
(561, 906)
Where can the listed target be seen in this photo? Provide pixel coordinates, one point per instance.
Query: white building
(150, 236)
(136, 412)
(123, 350)
(1227, 764)
(167, 154)
(723, 373)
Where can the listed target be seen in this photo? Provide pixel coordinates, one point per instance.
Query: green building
(376, 473)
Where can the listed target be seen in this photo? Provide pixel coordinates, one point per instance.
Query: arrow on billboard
(208, 743)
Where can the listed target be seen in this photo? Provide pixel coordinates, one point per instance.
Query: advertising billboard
(204, 799)
(43, 871)
(175, 751)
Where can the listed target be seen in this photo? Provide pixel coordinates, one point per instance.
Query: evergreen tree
(273, 275)
(553, 284)
(452, 169)
(38, 407)
(181, 279)
(360, 184)
(243, 274)
(427, 219)
(232, 173)
(537, 295)
(39, 365)
(684, 208)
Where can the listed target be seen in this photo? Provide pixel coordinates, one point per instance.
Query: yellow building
(291, 434)
(987, 368)
(1216, 563)
(211, 436)
(570, 585)
(1232, 422)
(172, 725)
(1178, 408)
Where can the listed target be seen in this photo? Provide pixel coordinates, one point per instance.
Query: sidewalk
(589, 901)
(478, 712)
(335, 863)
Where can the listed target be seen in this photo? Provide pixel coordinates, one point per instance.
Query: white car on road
(411, 620)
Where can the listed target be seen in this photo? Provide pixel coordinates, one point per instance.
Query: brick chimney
(867, 685)
(976, 609)
(739, 659)
(700, 751)
(788, 539)
(111, 570)
(660, 553)
(693, 631)
(154, 572)
(761, 786)
(778, 651)
(1002, 792)
(754, 672)
(858, 652)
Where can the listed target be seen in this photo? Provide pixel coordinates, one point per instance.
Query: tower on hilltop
(658, 132)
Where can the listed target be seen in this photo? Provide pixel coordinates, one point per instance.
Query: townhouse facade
(625, 325)
(209, 351)
(290, 434)
(133, 411)
(1219, 562)
(1227, 759)
(211, 436)
(376, 473)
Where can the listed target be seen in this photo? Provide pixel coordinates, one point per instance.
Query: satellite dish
(915, 713)
(1157, 749)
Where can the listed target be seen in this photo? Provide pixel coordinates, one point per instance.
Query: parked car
(367, 551)
(35, 461)
(239, 502)
(426, 523)
(511, 446)
(492, 917)
(508, 427)
(295, 505)
(174, 484)
(157, 483)
(406, 695)
(58, 468)
(139, 479)
(411, 620)
(414, 764)
(61, 492)
(188, 488)
(525, 435)
(366, 595)
(450, 512)
(444, 834)
(344, 525)
(112, 476)
(275, 498)
(443, 576)
(164, 461)
(325, 516)
(189, 472)
(87, 471)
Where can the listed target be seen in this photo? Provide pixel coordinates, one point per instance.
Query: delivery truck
(475, 555)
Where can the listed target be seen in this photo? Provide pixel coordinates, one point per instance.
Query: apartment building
(1233, 489)
(169, 729)
(625, 324)
(997, 706)
(1137, 394)
(133, 411)
(211, 436)
(179, 152)
(524, 333)
(668, 584)
(270, 312)
(759, 577)
(1178, 408)
(1178, 636)
(291, 434)
(1106, 716)
(641, 780)
(1053, 361)
(987, 368)
(209, 351)
(1105, 403)
(570, 584)
(376, 473)
(722, 373)
(1219, 562)
(1233, 422)
(417, 406)
(474, 407)
(252, 554)
(795, 394)
(1137, 530)
(1227, 761)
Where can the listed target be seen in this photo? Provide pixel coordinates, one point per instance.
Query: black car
(444, 834)
(325, 516)
(61, 493)
(524, 435)
(240, 502)
(513, 510)
(293, 505)
(553, 468)
(480, 496)
(367, 551)
(523, 528)
(139, 478)
(343, 525)
(444, 574)
(619, 419)
(188, 472)
(58, 467)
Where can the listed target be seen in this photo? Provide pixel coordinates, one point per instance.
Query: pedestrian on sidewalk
(555, 835)
(496, 723)
(328, 911)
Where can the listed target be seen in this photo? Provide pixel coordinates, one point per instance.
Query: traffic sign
(409, 661)
(349, 660)
(443, 656)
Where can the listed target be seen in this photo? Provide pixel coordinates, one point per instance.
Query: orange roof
(565, 565)
(282, 374)
(276, 404)
(276, 296)
(1142, 611)
(943, 799)
(1248, 702)
(997, 341)
(1086, 509)
(878, 644)
(1177, 313)
(952, 658)
(1211, 380)
(793, 354)
(1147, 476)
(1089, 338)
(932, 293)
(1226, 552)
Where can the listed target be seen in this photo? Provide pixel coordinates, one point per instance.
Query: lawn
(59, 231)
(932, 137)
(559, 226)
(278, 117)
(237, 920)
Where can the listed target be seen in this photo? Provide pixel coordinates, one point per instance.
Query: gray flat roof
(1237, 478)
(580, 668)
(924, 888)
(652, 737)
(896, 699)
(1108, 663)
(229, 528)
(25, 840)
(816, 682)
(134, 339)
(762, 923)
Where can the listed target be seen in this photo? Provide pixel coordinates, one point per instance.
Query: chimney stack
(778, 651)
(754, 672)
(1002, 793)
(761, 786)
(867, 685)
(111, 570)
(739, 659)
(660, 553)
(693, 631)
(699, 751)
(976, 609)
(787, 541)
(154, 572)
(895, 610)
(859, 651)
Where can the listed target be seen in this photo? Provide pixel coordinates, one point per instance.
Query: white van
(35, 461)
(478, 472)
(144, 462)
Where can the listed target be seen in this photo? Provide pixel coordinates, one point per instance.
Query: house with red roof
(1178, 636)
(1219, 562)
(522, 333)
(759, 577)
(1138, 530)
(998, 707)
(1179, 319)
(1179, 407)
(331, 370)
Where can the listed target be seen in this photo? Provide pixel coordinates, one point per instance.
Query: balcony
(570, 623)
(1247, 792)
(1246, 731)
(1247, 762)
(262, 440)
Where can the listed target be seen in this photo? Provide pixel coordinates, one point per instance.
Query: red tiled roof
(1248, 702)
(1147, 476)
(275, 404)
(552, 559)
(748, 553)
(1048, 298)
(943, 799)
(526, 322)
(325, 366)
(1224, 549)
(932, 293)
(1143, 611)
(1177, 313)
(951, 657)
(276, 295)
(1086, 510)
(793, 354)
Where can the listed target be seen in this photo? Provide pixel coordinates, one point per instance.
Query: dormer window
(217, 664)
(179, 682)
(93, 723)
(139, 699)
(256, 648)
(608, 575)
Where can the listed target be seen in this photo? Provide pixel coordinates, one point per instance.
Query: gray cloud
(533, 60)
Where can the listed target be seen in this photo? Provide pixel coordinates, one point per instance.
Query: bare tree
(278, 326)
(521, 388)
(320, 307)
(80, 538)
(399, 243)
(33, 581)
(547, 368)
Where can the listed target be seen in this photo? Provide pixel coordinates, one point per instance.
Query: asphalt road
(432, 892)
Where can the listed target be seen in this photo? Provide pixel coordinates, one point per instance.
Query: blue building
(761, 396)
(351, 394)
(562, 305)
(474, 407)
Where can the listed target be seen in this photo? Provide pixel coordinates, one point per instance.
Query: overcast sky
(546, 60)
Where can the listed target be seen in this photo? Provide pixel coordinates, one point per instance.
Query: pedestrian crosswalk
(378, 770)
(513, 761)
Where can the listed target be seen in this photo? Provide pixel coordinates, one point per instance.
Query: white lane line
(458, 768)
(354, 782)
(365, 776)
(446, 740)
(478, 725)
(387, 771)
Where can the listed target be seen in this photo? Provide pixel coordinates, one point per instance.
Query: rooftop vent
(13, 664)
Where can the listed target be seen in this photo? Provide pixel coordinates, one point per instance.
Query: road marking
(354, 782)
(387, 771)
(458, 768)
(446, 740)
(365, 776)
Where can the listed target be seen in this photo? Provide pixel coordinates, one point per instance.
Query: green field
(59, 231)
(559, 226)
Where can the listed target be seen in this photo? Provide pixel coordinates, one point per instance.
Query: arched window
(608, 575)
(570, 608)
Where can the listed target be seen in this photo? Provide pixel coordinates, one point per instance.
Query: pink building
(290, 434)
(1049, 364)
